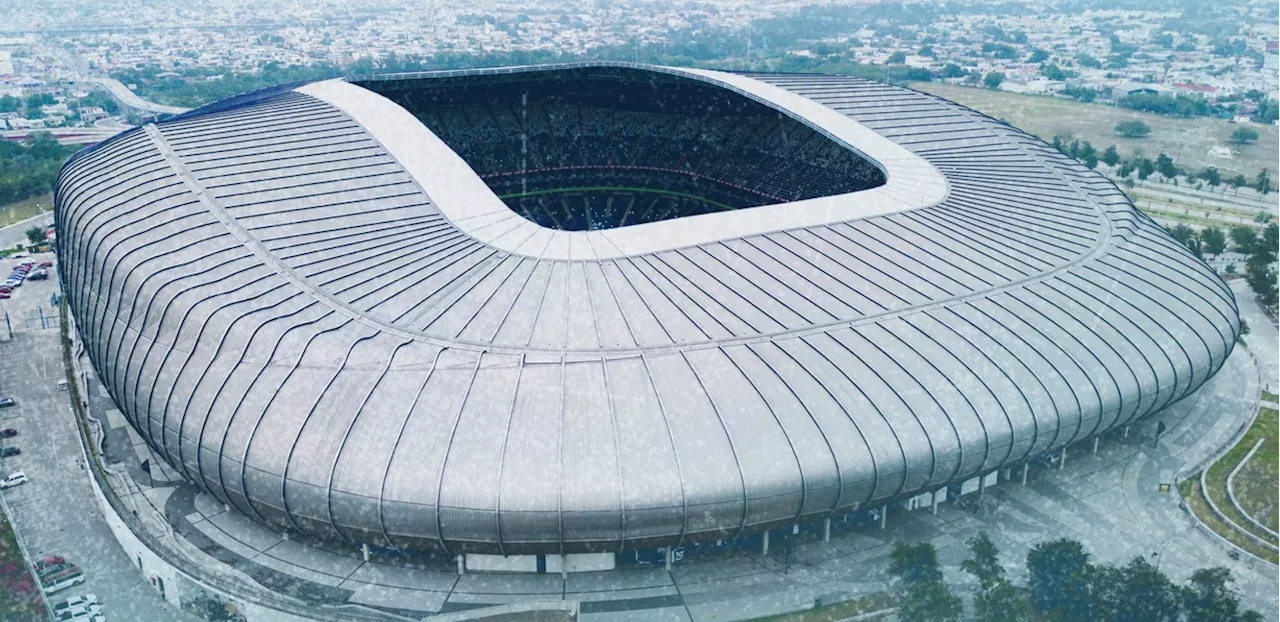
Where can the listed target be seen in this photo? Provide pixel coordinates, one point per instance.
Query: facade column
(1095, 445)
(1026, 466)
(826, 530)
(462, 563)
(364, 550)
(884, 515)
(764, 546)
(1126, 431)
(982, 487)
(933, 503)
(667, 555)
(1062, 460)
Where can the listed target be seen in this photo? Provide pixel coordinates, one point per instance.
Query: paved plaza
(55, 513)
(1110, 501)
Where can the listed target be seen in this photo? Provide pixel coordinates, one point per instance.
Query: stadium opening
(591, 148)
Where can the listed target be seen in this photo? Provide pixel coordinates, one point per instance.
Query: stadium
(590, 309)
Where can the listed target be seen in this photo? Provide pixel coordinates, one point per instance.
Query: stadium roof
(319, 313)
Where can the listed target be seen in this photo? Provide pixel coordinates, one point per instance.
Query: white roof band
(464, 198)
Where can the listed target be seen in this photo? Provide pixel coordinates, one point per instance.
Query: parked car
(14, 479)
(75, 601)
(8, 432)
(78, 612)
(5, 295)
(9, 451)
(6, 402)
(38, 275)
(46, 264)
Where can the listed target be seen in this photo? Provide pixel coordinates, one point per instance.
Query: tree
(1053, 72)
(1059, 579)
(1208, 594)
(1211, 176)
(1243, 135)
(1267, 246)
(1182, 233)
(1111, 156)
(995, 600)
(931, 601)
(1238, 182)
(897, 58)
(1215, 240)
(1090, 160)
(1263, 182)
(1146, 595)
(1038, 56)
(1133, 129)
(952, 70)
(36, 235)
(1145, 168)
(1260, 277)
(993, 80)
(1244, 237)
(914, 563)
(1166, 167)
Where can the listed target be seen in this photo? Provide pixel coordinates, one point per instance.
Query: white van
(62, 580)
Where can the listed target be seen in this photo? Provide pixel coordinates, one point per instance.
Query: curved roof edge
(468, 202)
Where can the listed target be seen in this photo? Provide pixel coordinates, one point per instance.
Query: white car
(78, 612)
(16, 478)
(75, 601)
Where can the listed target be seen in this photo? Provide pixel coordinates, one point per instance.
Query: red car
(5, 295)
(46, 264)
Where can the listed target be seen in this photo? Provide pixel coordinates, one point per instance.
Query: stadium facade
(601, 307)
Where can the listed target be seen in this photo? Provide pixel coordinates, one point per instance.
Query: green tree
(1270, 239)
(1111, 156)
(1086, 60)
(931, 601)
(914, 563)
(1038, 56)
(897, 58)
(1145, 168)
(1166, 167)
(1243, 135)
(995, 600)
(1133, 129)
(1244, 237)
(1211, 176)
(1146, 595)
(993, 80)
(1053, 72)
(1208, 594)
(36, 235)
(1238, 182)
(1263, 182)
(952, 70)
(1215, 240)
(1059, 580)
(1258, 271)
(1182, 233)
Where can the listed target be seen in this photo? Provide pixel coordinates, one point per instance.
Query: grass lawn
(1256, 484)
(837, 611)
(1186, 140)
(22, 210)
(19, 597)
(1270, 397)
(1190, 489)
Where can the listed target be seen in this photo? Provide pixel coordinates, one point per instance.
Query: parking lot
(54, 513)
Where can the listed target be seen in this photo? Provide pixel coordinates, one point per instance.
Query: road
(55, 513)
(131, 99)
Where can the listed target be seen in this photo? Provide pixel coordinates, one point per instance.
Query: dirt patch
(1187, 140)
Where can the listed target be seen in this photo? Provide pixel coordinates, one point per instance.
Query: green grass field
(1186, 140)
(22, 210)
(1256, 484)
